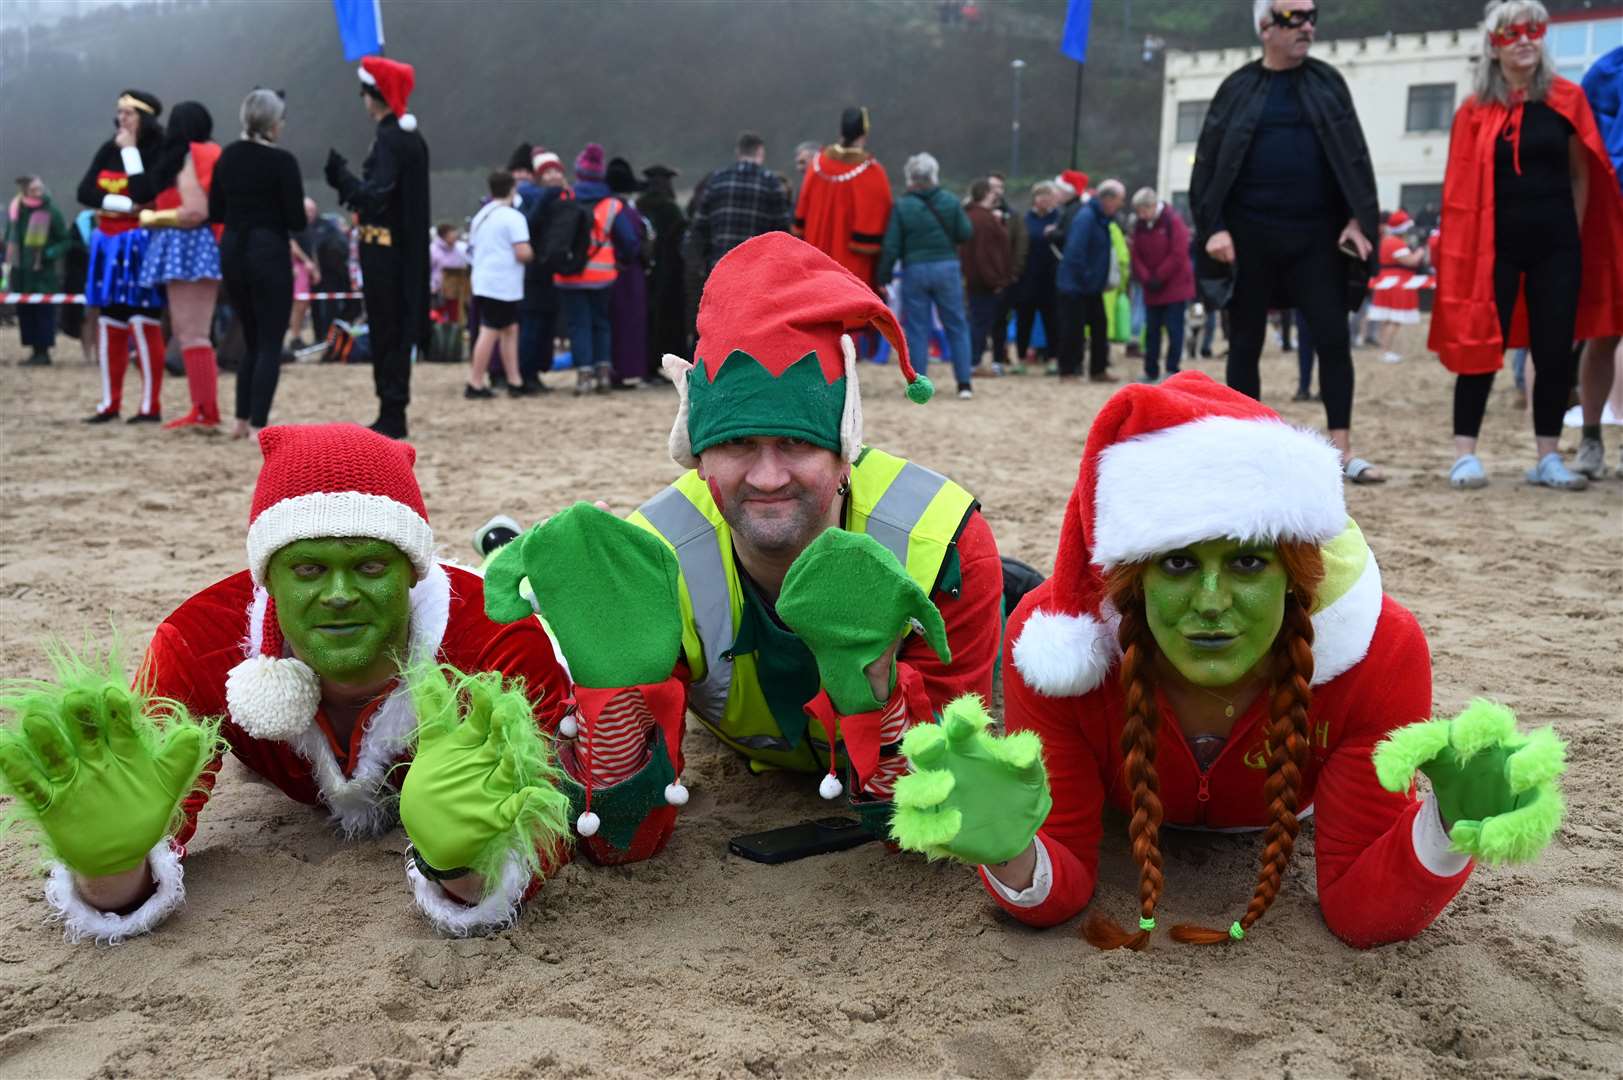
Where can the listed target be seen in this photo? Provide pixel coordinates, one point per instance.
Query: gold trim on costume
(125, 101)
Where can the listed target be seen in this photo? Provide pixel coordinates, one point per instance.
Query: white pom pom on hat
(587, 824)
(272, 697)
(830, 788)
(676, 794)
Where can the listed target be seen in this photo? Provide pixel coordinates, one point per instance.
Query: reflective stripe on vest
(914, 512)
(600, 268)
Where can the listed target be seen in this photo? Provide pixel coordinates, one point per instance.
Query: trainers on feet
(1552, 472)
(965, 392)
(1591, 459)
(477, 393)
(1467, 473)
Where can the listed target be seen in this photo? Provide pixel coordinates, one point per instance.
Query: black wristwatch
(432, 874)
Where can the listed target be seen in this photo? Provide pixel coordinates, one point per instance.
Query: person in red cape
(1532, 238)
(845, 203)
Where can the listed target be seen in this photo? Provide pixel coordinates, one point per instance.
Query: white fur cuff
(80, 920)
(1042, 881)
(1065, 655)
(495, 912)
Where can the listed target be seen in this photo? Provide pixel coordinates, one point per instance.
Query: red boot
(113, 352)
(202, 380)
(149, 346)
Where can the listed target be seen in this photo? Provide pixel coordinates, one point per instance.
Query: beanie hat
(318, 480)
(393, 80)
(1180, 463)
(775, 356)
(589, 163)
(545, 159)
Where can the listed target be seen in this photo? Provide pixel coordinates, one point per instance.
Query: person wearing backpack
(586, 275)
(538, 311)
(923, 235)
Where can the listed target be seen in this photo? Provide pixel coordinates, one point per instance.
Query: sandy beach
(299, 954)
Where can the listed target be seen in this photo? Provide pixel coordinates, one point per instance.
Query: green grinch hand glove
(971, 796)
(607, 589)
(1495, 785)
(849, 600)
(483, 787)
(98, 768)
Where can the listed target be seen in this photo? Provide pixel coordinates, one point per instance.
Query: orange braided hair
(1290, 697)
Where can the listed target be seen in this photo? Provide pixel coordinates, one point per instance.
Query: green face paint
(344, 605)
(1215, 608)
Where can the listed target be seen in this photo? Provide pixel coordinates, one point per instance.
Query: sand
(301, 955)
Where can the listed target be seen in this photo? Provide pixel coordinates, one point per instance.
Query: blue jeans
(941, 284)
(587, 311)
(1156, 318)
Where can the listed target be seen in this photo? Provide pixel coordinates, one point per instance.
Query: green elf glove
(849, 600)
(971, 796)
(99, 769)
(1497, 786)
(483, 787)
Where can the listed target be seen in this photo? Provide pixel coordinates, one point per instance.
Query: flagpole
(1076, 116)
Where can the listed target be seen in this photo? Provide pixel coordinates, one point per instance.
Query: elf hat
(318, 480)
(775, 356)
(1167, 466)
(393, 80)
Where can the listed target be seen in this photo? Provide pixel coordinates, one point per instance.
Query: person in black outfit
(258, 195)
(1282, 184)
(667, 275)
(391, 200)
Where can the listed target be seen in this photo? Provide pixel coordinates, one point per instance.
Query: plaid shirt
(740, 201)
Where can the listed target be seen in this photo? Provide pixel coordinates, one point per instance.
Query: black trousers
(1025, 318)
(1536, 243)
(383, 285)
(1304, 265)
(259, 281)
(1074, 314)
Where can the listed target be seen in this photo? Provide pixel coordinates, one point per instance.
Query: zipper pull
(1204, 795)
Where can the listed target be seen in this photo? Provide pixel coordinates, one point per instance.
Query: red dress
(1395, 298)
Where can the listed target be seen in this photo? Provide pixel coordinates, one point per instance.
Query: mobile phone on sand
(799, 841)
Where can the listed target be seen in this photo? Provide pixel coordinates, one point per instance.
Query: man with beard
(791, 575)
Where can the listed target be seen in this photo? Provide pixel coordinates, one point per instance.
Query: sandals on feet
(1467, 473)
(1360, 471)
(1552, 472)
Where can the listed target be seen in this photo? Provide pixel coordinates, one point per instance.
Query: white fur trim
(408, 123)
(1061, 655)
(339, 513)
(497, 911)
(1342, 632)
(1215, 477)
(131, 158)
(366, 76)
(681, 446)
(851, 415)
(80, 920)
(272, 697)
(1042, 881)
(1431, 843)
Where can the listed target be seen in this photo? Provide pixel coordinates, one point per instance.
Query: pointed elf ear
(681, 447)
(851, 417)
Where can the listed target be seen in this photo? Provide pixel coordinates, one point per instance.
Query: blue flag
(360, 25)
(1075, 42)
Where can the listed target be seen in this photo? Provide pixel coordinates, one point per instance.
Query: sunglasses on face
(1507, 36)
(1295, 20)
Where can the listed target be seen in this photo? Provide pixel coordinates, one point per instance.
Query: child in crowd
(499, 239)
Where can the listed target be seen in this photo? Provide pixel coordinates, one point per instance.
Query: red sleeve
(871, 213)
(1071, 833)
(1372, 886)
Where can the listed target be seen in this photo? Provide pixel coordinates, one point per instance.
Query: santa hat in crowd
(775, 356)
(1074, 179)
(1167, 466)
(589, 164)
(393, 80)
(1399, 221)
(318, 480)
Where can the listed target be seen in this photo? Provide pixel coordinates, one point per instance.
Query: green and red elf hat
(775, 356)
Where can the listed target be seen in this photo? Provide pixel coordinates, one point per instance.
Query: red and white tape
(79, 298)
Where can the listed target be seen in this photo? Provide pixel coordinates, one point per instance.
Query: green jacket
(34, 264)
(925, 227)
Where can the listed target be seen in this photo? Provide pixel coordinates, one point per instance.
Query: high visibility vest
(914, 512)
(600, 268)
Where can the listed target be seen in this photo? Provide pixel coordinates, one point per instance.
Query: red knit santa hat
(769, 304)
(1399, 221)
(1167, 466)
(394, 80)
(318, 480)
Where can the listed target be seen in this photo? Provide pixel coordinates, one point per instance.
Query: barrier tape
(79, 298)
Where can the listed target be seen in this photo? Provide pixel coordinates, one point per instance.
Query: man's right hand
(1220, 246)
(98, 775)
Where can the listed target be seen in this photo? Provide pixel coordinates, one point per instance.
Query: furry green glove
(848, 599)
(971, 796)
(483, 786)
(98, 768)
(1495, 786)
(607, 589)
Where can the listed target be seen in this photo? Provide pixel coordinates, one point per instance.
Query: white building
(1405, 86)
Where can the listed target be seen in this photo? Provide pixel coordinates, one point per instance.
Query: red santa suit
(844, 206)
(1383, 862)
(212, 654)
(1465, 319)
(1392, 300)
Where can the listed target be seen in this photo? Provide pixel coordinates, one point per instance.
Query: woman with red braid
(1214, 651)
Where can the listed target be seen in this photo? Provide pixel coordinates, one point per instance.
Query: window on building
(1423, 203)
(1191, 118)
(1431, 107)
(1180, 203)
